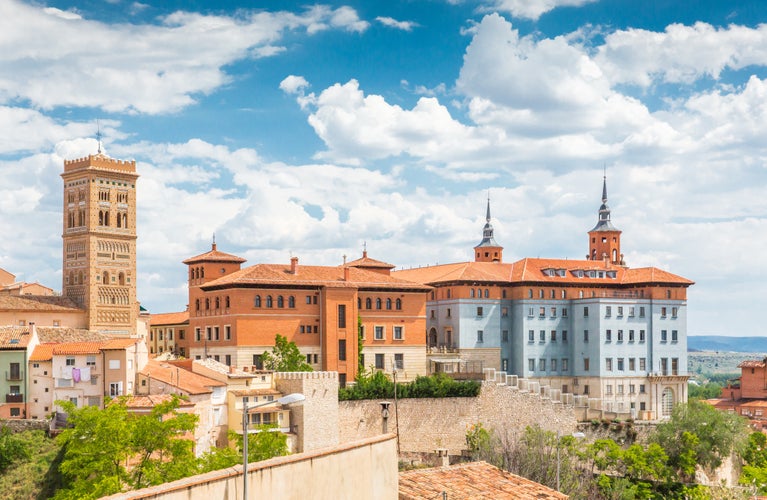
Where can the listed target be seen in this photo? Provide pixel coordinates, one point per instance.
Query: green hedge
(379, 386)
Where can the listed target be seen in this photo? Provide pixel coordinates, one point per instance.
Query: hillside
(726, 344)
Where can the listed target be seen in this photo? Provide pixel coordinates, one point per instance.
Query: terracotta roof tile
(214, 256)
(14, 337)
(43, 352)
(77, 348)
(153, 400)
(37, 303)
(472, 480)
(64, 334)
(187, 381)
(752, 364)
(172, 318)
(270, 275)
(367, 262)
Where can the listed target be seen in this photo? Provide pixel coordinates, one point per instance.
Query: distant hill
(726, 344)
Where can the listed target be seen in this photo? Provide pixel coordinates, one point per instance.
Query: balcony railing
(14, 375)
(14, 398)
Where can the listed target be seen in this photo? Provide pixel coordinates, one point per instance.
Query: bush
(378, 386)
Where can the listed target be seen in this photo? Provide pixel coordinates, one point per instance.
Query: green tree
(711, 436)
(285, 357)
(262, 445)
(12, 448)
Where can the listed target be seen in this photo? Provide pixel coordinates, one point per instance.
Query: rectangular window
(586, 389)
(302, 329)
(609, 364)
(553, 312)
(379, 361)
(631, 312)
(114, 364)
(228, 360)
(632, 364)
(530, 312)
(531, 336)
(564, 312)
(608, 311)
(608, 335)
(674, 366)
(641, 335)
(631, 335)
(542, 365)
(564, 364)
(663, 336)
(542, 337)
(586, 364)
(642, 391)
(554, 364)
(542, 312)
(316, 358)
(662, 312)
(309, 359)
(216, 333)
(228, 332)
(632, 389)
(379, 333)
(504, 312)
(362, 331)
(341, 315)
(620, 364)
(479, 311)
(620, 311)
(642, 364)
(448, 313)
(397, 330)
(641, 311)
(674, 311)
(208, 333)
(586, 312)
(308, 299)
(505, 336)
(620, 335)
(70, 361)
(342, 349)
(531, 364)
(553, 335)
(480, 336)
(674, 336)
(15, 371)
(585, 335)
(399, 361)
(90, 360)
(564, 336)
(609, 389)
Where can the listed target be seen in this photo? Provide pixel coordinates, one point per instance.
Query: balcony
(14, 398)
(14, 375)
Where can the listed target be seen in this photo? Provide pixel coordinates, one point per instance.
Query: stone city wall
(429, 424)
(20, 425)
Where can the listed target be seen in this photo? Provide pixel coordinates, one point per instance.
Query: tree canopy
(285, 357)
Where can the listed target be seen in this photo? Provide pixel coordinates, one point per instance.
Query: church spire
(605, 239)
(488, 250)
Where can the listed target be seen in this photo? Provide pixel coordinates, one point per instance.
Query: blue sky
(288, 128)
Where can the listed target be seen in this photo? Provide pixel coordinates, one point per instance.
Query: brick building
(235, 314)
(164, 331)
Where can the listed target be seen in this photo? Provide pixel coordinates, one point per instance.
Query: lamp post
(285, 400)
(576, 435)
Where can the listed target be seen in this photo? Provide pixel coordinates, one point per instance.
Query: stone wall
(429, 424)
(18, 425)
(315, 420)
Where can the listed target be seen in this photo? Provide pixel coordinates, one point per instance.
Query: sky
(316, 130)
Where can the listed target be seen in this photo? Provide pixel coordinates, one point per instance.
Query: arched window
(125, 221)
(226, 302)
(359, 302)
(119, 221)
(218, 303)
(257, 302)
(105, 278)
(121, 279)
(207, 304)
(378, 303)
(197, 304)
(106, 218)
(191, 273)
(540, 293)
(268, 301)
(368, 303)
(280, 301)
(471, 293)
(398, 304)
(503, 293)
(388, 304)
(291, 302)
(487, 293)
(615, 255)
(479, 293)
(101, 218)
(202, 272)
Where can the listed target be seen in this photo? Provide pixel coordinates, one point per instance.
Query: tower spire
(98, 136)
(488, 250)
(604, 239)
(488, 207)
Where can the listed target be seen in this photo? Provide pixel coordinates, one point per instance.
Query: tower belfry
(488, 250)
(99, 241)
(605, 239)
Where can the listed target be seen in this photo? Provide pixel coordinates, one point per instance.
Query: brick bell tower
(99, 241)
(488, 250)
(605, 239)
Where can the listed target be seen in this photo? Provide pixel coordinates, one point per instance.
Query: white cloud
(293, 84)
(140, 68)
(393, 23)
(533, 9)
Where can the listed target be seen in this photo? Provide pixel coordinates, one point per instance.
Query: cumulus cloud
(86, 63)
(533, 9)
(293, 84)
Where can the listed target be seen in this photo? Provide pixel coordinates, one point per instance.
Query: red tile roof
(78, 348)
(187, 381)
(471, 481)
(172, 318)
(214, 256)
(53, 303)
(43, 352)
(136, 402)
(532, 270)
(267, 275)
(14, 337)
(367, 262)
(63, 334)
(750, 363)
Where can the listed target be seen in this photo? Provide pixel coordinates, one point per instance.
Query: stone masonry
(315, 420)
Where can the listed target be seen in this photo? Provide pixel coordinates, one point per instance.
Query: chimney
(32, 328)
(346, 274)
(294, 265)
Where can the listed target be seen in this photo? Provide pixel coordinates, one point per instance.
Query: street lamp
(576, 435)
(285, 400)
